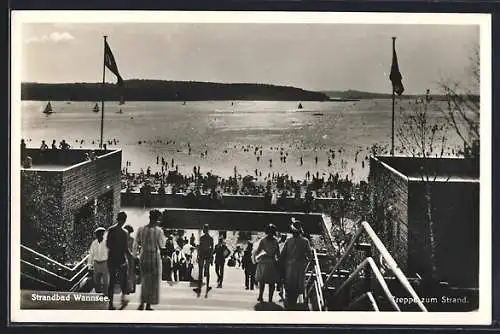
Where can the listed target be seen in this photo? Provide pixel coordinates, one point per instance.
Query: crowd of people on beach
(275, 185)
(153, 256)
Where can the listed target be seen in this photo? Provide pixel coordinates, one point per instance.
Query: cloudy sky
(310, 56)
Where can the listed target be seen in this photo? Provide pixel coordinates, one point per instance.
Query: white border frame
(480, 317)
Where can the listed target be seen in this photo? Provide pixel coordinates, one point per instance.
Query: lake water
(146, 130)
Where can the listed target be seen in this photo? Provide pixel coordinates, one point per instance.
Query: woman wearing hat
(294, 257)
(150, 238)
(266, 255)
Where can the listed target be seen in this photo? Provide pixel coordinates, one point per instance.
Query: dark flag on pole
(395, 76)
(109, 61)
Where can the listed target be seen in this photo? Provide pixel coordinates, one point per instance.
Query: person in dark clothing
(249, 267)
(169, 246)
(205, 260)
(221, 252)
(117, 243)
(64, 145)
(23, 150)
(44, 146)
(267, 199)
(177, 260)
(192, 240)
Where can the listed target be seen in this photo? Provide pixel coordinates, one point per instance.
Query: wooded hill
(158, 90)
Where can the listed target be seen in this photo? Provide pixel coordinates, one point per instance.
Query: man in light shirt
(98, 261)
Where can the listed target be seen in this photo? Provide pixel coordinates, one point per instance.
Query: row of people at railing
(47, 155)
(273, 200)
(114, 259)
(172, 181)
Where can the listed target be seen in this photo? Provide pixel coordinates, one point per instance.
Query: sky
(310, 56)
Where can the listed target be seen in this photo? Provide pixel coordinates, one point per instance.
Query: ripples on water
(216, 126)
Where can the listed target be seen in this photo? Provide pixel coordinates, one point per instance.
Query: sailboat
(120, 111)
(300, 106)
(48, 109)
(96, 108)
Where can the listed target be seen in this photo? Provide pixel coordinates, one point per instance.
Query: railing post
(367, 249)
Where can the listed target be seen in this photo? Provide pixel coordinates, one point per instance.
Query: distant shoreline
(158, 90)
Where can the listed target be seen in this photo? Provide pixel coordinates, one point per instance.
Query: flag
(395, 76)
(109, 61)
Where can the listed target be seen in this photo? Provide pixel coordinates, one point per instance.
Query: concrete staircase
(177, 296)
(232, 295)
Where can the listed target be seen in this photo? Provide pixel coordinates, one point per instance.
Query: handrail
(368, 295)
(391, 263)
(78, 273)
(319, 278)
(38, 280)
(77, 284)
(55, 262)
(316, 280)
(318, 297)
(45, 270)
(348, 250)
(378, 275)
(66, 280)
(372, 301)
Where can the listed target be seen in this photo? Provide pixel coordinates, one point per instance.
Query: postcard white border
(480, 317)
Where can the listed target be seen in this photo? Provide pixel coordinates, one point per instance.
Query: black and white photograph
(234, 167)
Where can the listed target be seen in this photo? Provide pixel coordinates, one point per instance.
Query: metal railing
(63, 277)
(314, 285)
(367, 295)
(378, 275)
(389, 261)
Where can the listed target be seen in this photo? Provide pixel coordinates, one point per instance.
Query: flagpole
(103, 91)
(393, 101)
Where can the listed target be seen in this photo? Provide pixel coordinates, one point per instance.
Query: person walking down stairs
(150, 238)
(205, 260)
(296, 253)
(221, 253)
(266, 256)
(249, 267)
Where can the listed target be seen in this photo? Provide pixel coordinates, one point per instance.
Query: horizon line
(228, 83)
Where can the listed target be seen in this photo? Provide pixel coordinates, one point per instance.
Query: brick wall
(389, 192)
(42, 226)
(50, 200)
(81, 185)
(399, 218)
